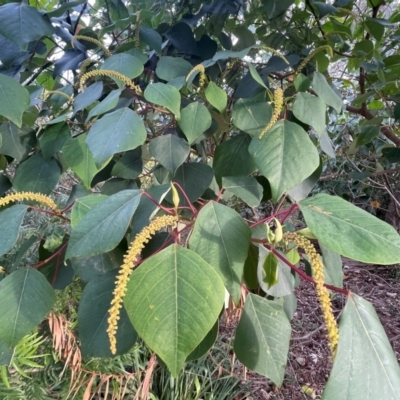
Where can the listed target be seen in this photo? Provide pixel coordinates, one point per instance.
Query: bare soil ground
(309, 366)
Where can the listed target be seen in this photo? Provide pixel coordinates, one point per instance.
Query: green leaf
(194, 178)
(130, 165)
(22, 24)
(16, 142)
(151, 37)
(170, 151)
(14, 98)
(301, 83)
(88, 97)
(37, 175)
(367, 133)
(256, 76)
(251, 116)
(83, 205)
(270, 267)
(262, 338)
(195, 120)
(164, 95)
(285, 156)
(205, 344)
(222, 238)
(332, 266)
(365, 366)
(351, 231)
(91, 267)
(125, 64)
(53, 139)
(325, 92)
(104, 226)
(93, 315)
(303, 189)
(284, 285)
(232, 158)
(105, 105)
(171, 67)
(147, 208)
(26, 299)
(392, 154)
(375, 29)
(10, 221)
(247, 188)
(216, 96)
(116, 132)
(78, 157)
(311, 110)
(173, 300)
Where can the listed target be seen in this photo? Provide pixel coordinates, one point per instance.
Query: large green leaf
(105, 105)
(23, 24)
(194, 178)
(216, 96)
(116, 132)
(173, 300)
(251, 116)
(351, 231)
(88, 97)
(16, 142)
(53, 139)
(232, 158)
(262, 338)
(222, 238)
(130, 165)
(332, 266)
(78, 157)
(26, 298)
(83, 205)
(325, 92)
(170, 150)
(365, 366)
(14, 98)
(10, 222)
(171, 67)
(125, 64)
(164, 95)
(311, 110)
(247, 188)
(104, 226)
(195, 120)
(37, 175)
(91, 267)
(93, 315)
(285, 156)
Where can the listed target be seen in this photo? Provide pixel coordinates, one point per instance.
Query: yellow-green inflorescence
(311, 55)
(202, 71)
(111, 74)
(130, 258)
(322, 292)
(92, 40)
(278, 103)
(50, 92)
(38, 197)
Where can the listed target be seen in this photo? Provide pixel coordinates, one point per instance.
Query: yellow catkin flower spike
(202, 71)
(84, 66)
(130, 259)
(92, 40)
(136, 38)
(278, 100)
(50, 92)
(40, 198)
(322, 292)
(175, 197)
(312, 54)
(276, 52)
(348, 12)
(111, 74)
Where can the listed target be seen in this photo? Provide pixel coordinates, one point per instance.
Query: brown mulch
(308, 366)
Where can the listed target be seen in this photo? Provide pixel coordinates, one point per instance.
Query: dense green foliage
(126, 111)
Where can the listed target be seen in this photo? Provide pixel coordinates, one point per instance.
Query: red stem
(167, 210)
(44, 262)
(185, 196)
(285, 212)
(49, 212)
